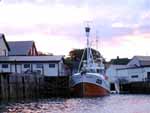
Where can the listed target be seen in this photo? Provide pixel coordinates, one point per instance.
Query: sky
(122, 27)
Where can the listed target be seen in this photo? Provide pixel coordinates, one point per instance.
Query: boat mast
(97, 40)
(87, 30)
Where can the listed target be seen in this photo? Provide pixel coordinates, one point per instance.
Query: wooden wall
(20, 86)
(136, 88)
(26, 86)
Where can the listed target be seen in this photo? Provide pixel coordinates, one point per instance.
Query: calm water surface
(108, 104)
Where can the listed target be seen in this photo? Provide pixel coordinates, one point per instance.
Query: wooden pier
(136, 87)
(29, 86)
(20, 86)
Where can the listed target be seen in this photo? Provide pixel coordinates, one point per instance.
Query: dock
(14, 87)
(141, 87)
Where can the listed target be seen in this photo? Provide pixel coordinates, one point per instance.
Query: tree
(68, 62)
(76, 54)
(119, 61)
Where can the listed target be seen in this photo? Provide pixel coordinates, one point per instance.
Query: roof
(2, 36)
(120, 61)
(116, 67)
(140, 61)
(143, 58)
(55, 58)
(20, 47)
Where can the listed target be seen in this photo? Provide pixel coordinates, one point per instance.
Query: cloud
(25, 15)
(126, 46)
(115, 21)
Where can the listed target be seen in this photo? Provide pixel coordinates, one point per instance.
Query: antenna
(97, 40)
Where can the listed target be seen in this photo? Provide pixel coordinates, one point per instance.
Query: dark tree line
(75, 55)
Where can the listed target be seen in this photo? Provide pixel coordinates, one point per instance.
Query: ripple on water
(108, 104)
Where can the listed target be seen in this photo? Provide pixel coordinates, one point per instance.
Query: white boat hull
(89, 84)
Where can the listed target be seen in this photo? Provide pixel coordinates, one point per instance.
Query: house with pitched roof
(22, 48)
(138, 69)
(4, 47)
(22, 57)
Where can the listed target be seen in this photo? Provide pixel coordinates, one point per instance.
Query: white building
(111, 72)
(4, 48)
(45, 65)
(138, 69)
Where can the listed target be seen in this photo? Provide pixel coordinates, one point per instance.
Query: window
(134, 76)
(99, 81)
(4, 65)
(26, 65)
(148, 75)
(39, 65)
(51, 65)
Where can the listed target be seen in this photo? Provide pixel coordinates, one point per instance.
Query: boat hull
(88, 90)
(89, 85)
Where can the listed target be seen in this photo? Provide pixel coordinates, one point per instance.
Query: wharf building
(137, 70)
(22, 57)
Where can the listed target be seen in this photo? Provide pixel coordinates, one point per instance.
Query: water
(108, 104)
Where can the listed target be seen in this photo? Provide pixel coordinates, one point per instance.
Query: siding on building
(134, 74)
(47, 65)
(111, 72)
(138, 69)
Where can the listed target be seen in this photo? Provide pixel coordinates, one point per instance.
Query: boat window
(99, 81)
(92, 70)
(98, 71)
(101, 71)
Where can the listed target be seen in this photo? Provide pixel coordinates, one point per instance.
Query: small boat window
(101, 71)
(99, 81)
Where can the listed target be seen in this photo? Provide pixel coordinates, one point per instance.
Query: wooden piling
(20, 86)
(14, 87)
(140, 87)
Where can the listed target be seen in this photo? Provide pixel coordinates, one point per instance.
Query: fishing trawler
(90, 80)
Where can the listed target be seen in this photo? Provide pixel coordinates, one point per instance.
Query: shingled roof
(20, 48)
